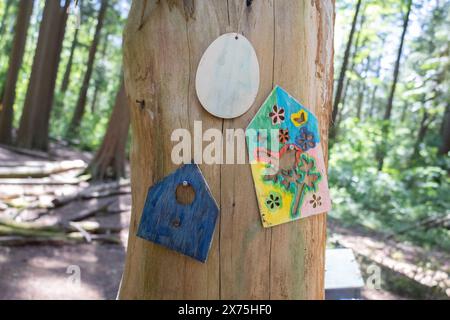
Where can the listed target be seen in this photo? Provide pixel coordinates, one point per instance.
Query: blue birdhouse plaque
(180, 213)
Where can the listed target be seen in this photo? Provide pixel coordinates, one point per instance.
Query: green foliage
(414, 185)
(396, 198)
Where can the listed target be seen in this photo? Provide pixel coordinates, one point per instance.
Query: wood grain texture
(163, 44)
(186, 228)
(227, 79)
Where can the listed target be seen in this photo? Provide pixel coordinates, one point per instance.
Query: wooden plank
(227, 79)
(342, 270)
(285, 136)
(180, 213)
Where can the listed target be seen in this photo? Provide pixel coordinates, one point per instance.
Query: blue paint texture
(187, 229)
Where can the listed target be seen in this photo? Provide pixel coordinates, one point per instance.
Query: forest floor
(406, 270)
(55, 226)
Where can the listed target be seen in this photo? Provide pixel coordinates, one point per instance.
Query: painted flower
(283, 135)
(305, 139)
(277, 115)
(316, 201)
(273, 201)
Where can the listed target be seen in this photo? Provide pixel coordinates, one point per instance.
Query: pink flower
(277, 115)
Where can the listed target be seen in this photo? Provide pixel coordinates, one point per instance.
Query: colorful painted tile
(287, 161)
(180, 213)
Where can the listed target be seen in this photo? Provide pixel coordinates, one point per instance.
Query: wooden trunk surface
(163, 44)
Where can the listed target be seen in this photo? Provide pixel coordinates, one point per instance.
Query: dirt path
(76, 271)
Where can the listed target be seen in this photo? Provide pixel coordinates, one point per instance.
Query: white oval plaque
(227, 79)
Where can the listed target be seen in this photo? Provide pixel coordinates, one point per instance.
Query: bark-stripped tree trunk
(15, 61)
(109, 162)
(340, 84)
(163, 44)
(387, 114)
(34, 123)
(81, 103)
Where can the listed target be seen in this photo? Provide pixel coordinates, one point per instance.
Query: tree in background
(340, 84)
(109, 161)
(387, 115)
(81, 103)
(15, 62)
(34, 123)
(445, 132)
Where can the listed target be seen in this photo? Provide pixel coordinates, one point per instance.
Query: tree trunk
(67, 73)
(445, 132)
(340, 85)
(15, 61)
(362, 87)
(81, 103)
(34, 123)
(163, 44)
(375, 89)
(387, 114)
(109, 162)
(97, 81)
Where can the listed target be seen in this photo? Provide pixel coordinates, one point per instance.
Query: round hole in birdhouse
(185, 194)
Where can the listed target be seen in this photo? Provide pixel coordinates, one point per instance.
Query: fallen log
(45, 170)
(89, 212)
(19, 233)
(27, 152)
(427, 223)
(92, 192)
(73, 238)
(41, 181)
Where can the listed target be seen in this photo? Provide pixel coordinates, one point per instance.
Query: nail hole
(185, 194)
(236, 37)
(176, 223)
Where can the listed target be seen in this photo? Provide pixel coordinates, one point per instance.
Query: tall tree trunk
(96, 85)
(340, 85)
(15, 61)
(352, 68)
(163, 43)
(109, 162)
(362, 89)
(375, 89)
(34, 123)
(81, 103)
(66, 79)
(445, 132)
(387, 114)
